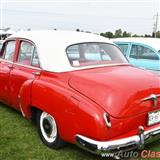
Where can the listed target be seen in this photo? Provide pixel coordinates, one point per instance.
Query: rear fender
(73, 112)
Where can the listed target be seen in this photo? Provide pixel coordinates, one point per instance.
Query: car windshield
(87, 54)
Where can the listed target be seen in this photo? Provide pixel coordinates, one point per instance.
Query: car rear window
(86, 54)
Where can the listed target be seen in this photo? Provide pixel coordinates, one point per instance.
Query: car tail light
(107, 120)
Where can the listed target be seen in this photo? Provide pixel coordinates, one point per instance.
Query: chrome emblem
(154, 98)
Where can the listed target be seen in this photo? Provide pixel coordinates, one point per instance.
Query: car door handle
(36, 73)
(10, 66)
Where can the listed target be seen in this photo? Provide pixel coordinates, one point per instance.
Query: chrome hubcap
(48, 127)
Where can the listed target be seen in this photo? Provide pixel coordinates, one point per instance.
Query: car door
(6, 64)
(144, 57)
(26, 67)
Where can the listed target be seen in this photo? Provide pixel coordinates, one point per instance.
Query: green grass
(19, 140)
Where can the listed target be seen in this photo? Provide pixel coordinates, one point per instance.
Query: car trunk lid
(119, 90)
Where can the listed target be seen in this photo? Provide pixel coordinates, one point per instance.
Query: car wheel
(48, 131)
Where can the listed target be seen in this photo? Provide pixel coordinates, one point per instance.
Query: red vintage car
(80, 89)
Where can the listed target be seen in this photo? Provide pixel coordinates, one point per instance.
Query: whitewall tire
(48, 130)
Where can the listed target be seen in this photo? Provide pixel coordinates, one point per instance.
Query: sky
(135, 16)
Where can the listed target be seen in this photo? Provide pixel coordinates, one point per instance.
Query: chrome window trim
(4, 60)
(31, 67)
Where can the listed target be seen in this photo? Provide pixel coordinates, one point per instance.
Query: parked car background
(141, 52)
(79, 88)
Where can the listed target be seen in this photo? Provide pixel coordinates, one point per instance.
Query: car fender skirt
(125, 144)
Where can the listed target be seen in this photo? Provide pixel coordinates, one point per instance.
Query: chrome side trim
(126, 144)
(19, 101)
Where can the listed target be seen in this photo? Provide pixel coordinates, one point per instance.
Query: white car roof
(152, 42)
(51, 46)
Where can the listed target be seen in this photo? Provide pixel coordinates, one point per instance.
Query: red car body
(101, 109)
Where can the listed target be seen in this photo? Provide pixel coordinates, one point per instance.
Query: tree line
(120, 33)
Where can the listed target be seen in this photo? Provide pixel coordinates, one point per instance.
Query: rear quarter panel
(74, 113)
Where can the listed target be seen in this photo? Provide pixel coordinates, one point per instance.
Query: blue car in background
(141, 52)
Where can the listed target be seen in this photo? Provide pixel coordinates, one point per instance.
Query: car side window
(25, 53)
(35, 59)
(9, 50)
(124, 48)
(142, 52)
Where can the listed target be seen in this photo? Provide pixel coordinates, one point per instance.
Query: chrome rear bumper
(126, 144)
